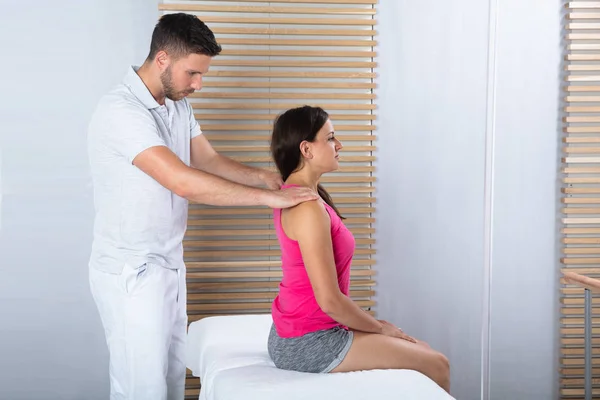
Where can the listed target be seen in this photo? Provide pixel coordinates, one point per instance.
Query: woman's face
(324, 150)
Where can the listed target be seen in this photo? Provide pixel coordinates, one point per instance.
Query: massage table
(229, 355)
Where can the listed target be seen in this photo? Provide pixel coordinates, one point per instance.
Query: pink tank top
(295, 310)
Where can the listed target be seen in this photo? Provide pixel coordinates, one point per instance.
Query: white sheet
(229, 354)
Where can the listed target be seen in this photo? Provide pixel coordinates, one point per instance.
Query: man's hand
(290, 197)
(271, 179)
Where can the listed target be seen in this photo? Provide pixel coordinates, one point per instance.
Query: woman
(316, 326)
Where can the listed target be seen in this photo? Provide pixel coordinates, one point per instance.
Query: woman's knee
(440, 369)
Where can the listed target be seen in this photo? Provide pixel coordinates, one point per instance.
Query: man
(148, 159)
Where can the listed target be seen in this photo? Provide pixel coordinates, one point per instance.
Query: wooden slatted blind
(278, 55)
(580, 190)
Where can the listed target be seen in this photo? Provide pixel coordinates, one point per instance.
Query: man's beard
(167, 82)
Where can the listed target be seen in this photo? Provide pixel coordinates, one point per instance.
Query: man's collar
(133, 81)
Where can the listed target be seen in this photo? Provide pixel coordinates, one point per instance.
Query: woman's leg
(375, 351)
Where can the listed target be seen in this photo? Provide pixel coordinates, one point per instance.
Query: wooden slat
(582, 15)
(581, 220)
(260, 274)
(578, 301)
(280, 106)
(588, 240)
(250, 306)
(268, 221)
(582, 57)
(192, 265)
(581, 250)
(221, 62)
(250, 243)
(577, 311)
(195, 286)
(582, 150)
(582, 210)
(271, 117)
(583, 36)
(580, 231)
(581, 170)
(582, 140)
(584, 78)
(342, 200)
(297, 53)
(265, 9)
(581, 200)
(236, 138)
(293, 31)
(246, 159)
(575, 88)
(196, 316)
(260, 285)
(583, 46)
(251, 253)
(297, 42)
(289, 84)
(290, 74)
(258, 295)
(582, 129)
(580, 260)
(581, 181)
(277, 95)
(584, 270)
(583, 99)
(573, 190)
(574, 67)
(268, 211)
(579, 392)
(572, 4)
(583, 26)
(266, 127)
(213, 19)
(578, 351)
(192, 233)
(311, 1)
(580, 109)
(221, 149)
(582, 160)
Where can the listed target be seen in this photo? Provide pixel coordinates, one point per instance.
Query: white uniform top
(137, 219)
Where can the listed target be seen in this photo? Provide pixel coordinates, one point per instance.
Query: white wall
(431, 140)
(435, 87)
(58, 60)
(525, 269)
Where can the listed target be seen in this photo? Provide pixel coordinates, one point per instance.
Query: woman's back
(295, 310)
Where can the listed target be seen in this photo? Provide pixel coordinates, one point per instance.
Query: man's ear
(305, 149)
(162, 60)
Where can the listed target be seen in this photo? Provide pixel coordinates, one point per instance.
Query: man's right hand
(290, 197)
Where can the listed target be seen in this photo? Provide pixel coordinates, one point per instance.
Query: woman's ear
(305, 149)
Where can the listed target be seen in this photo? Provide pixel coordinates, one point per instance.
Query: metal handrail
(588, 284)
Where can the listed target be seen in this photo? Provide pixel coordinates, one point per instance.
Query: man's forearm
(206, 188)
(234, 171)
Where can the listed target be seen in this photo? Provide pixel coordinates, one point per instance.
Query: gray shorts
(317, 352)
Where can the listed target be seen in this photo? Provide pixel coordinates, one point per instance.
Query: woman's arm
(309, 224)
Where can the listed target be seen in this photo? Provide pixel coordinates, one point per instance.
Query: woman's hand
(389, 329)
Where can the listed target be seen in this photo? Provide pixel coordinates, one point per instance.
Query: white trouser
(143, 311)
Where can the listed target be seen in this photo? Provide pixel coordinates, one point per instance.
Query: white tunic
(137, 219)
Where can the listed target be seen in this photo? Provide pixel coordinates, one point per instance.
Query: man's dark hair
(181, 35)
